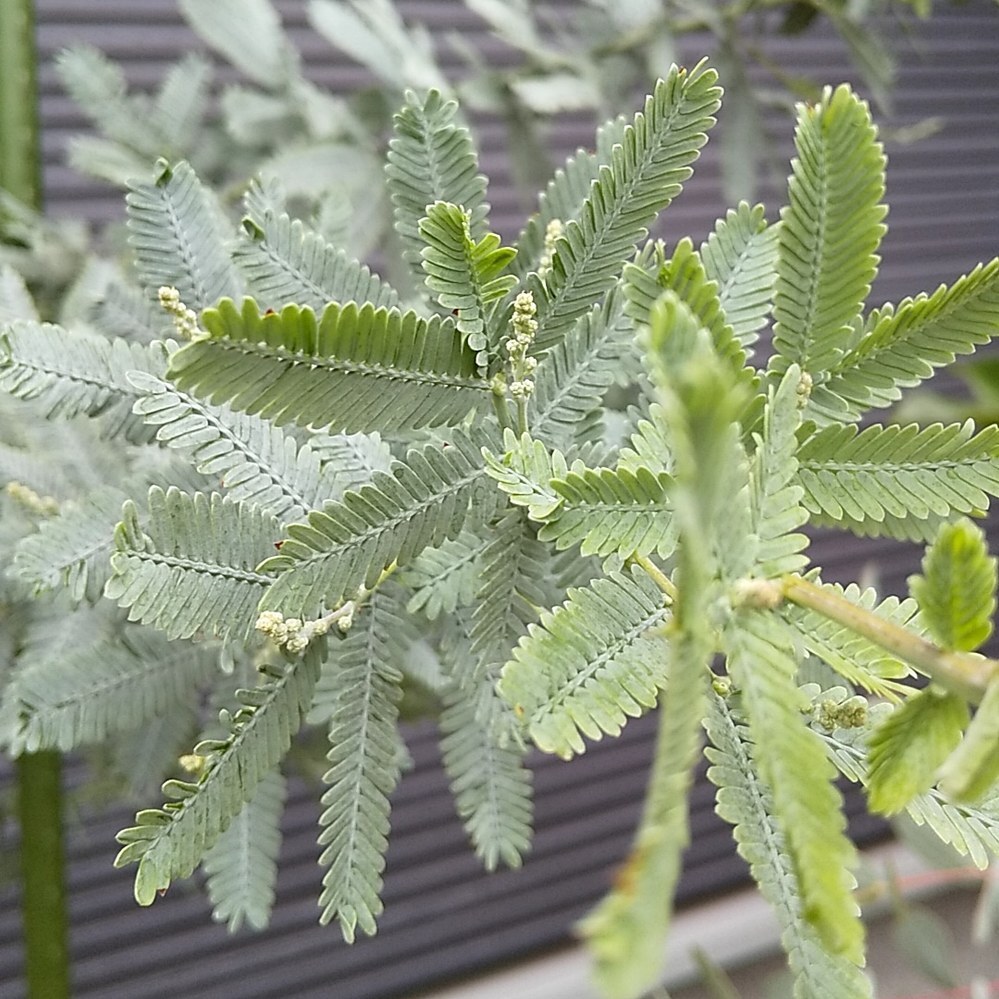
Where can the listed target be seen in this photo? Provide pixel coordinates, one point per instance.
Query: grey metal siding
(444, 916)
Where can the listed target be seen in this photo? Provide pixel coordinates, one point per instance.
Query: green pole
(20, 157)
(39, 775)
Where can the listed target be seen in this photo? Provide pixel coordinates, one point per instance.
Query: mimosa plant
(432, 492)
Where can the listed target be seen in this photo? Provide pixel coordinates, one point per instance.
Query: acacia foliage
(449, 484)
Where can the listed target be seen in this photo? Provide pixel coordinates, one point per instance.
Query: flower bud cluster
(553, 232)
(45, 506)
(295, 634)
(185, 320)
(524, 327)
(849, 713)
(804, 389)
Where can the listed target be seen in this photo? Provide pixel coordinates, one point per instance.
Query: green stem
(46, 949)
(500, 406)
(20, 162)
(657, 576)
(522, 425)
(43, 906)
(964, 673)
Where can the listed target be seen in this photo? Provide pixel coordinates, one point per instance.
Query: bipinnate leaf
(571, 380)
(525, 473)
(364, 764)
(169, 842)
(425, 500)
(445, 578)
(246, 32)
(957, 591)
(254, 460)
(190, 566)
(431, 159)
(489, 780)
(646, 171)
(829, 233)
(606, 510)
(72, 549)
(857, 659)
(76, 374)
(897, 480)
(177, 234)
(120, 680)
(241, 868)
(625, 932)
(775, 495)
(284, 262)
(793, 763)
(745, 800)
(590, 664)
(971, 829)
(907, 749)
(901, 346)
(466, 276)
(352, 368)
(739, 256)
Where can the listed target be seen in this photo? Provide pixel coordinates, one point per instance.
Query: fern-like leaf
(121, 678)
(192, 566)
(432, 159)
(123, 310)
(957, 591)
(607, 511)
(176, 232)
(776, 497)
(169, 842)
(525, 474)
(646, 171)
(650, 445)
(909, 474)
(445, 578)
(574, 376)
(285, 262)
(241, 867)
(972, 830)
(353, 368)
(491, 786)
(740, 257)
(745, 801)
(364, 764)
(255, 460)
(563, 199)
(626, 930)
(424, 501)
(76, 374)
(354, 457)
(901, 347)
(510, 591)
(99, 87)
(792, 762)
(590, 664)
(466, 277)
(73, 549)
(972, 770)
(829, 232)
(855, 658)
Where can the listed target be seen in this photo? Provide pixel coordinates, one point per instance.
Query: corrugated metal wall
(443, 916)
